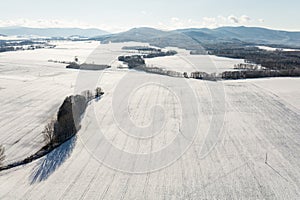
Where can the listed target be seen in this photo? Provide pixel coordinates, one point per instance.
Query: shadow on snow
(47, 165)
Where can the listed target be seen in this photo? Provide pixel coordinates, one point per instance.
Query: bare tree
(48, 133)
(2, 154)
(98, 92)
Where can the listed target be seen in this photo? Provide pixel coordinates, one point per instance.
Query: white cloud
(244, 19)
(40, 23)
(233, 19)
(57, 23)
(206, 22)
(209, 22)
(171, 24)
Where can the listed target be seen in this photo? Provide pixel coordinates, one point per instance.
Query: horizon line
(151, 27)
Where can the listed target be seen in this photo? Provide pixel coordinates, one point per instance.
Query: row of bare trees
(160, 71)
(260, 73)
(244, 74)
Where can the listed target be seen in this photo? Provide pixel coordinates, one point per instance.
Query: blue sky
(117, 15)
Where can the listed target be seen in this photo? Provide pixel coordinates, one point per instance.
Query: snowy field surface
(275, 49)
(256, 119)
(184, 62)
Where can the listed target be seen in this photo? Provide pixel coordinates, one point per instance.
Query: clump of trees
(248, 66)
(205, 76)
(138, 60)
(5, 49)
(98, 92)
(199, 75)
(59, 130)
(244, 74)
(69, 115)
(67, 122)
(260, 73)
(160, 54)
(132, 61)
(16, 45)
(185, 75)
(2, 154)
(273, 60)
(160, 71)
(86, 66)
(142, 49)
(198, 52)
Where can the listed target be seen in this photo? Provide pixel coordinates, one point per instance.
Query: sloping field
(32, 89)
(287, 89)
(240, 144)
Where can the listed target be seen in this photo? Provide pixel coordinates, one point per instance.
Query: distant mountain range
(51, 32)
(191, 38)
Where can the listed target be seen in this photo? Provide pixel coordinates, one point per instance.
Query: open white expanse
(261, 116)
(275, 49)
(184, 62)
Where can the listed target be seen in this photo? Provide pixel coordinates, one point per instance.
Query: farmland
(241, 140)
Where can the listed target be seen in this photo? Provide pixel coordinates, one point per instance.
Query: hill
(191, 38)
(246, 34)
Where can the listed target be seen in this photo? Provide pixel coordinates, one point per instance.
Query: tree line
(273, 60)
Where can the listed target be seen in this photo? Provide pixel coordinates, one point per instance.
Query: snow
(276, 49)
(285, 88)
(184, 62)
(225, 160)
(32, 90)
(13, 38)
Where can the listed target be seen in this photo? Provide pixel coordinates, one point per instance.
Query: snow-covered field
(32, 90)
(184, 62)
(234, 131)
(275, 49)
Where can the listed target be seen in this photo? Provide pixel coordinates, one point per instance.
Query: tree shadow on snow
(47, 165)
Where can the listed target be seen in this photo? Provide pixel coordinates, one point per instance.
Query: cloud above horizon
(117, 15)
(173, 23)
(208, 22)
(57, 23)
(40, 23)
